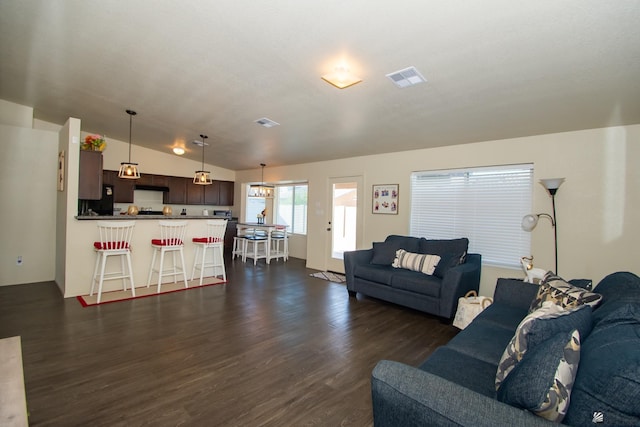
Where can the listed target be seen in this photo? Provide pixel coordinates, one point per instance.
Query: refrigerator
(104, 206)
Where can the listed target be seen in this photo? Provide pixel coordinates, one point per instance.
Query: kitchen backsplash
(152, 200)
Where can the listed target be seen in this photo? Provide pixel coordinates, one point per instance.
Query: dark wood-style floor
(273, 346)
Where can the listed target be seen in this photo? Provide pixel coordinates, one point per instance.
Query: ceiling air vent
(407, 77)
(268, 123)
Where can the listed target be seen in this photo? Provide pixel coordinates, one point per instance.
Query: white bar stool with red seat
(171, 240)
(214, 240)
(115, 239)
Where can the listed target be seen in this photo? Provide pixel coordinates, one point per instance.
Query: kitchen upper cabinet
(195, 193)
(177, 193)
(90, 175)
(226, 193)
(145, 179)
(122, 188)
(220, 193)
(212, 194)
(160, 180)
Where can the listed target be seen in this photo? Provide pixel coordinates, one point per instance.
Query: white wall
(28, 170)
(597, 206)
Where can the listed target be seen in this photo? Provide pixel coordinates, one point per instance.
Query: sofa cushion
(384, 253)
(542, 381)
(617, 289)
(444, 246)
(462, 369)
(447, 262)
(374, 273)
(416, 282)
(539, 326)
(608, 380)
(408, 243)
(423, 263)
(503, 316)
(483, 341)
(554, 288)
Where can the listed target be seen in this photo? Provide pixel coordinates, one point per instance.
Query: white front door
(345, 224)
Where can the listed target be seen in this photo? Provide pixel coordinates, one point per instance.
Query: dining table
(268, 228)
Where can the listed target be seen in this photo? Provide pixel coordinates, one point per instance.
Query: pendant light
(129, 170)
(202, 176)
(262, 190)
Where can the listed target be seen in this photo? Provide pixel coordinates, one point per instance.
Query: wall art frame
(61, 175)
(384, 199)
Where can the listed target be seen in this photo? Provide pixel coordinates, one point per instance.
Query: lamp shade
(529, 222)
(552, 183)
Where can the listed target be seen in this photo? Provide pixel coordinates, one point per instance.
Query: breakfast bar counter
(83, 232)
(143, 217)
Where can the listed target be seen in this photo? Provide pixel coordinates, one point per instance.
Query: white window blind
(486, 205)
(291, 207)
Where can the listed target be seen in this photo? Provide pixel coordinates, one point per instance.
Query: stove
(150, 213)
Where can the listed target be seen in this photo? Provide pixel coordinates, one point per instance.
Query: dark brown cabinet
(182, 191)
(226, 193)
(229, 234)
(122, 188)
(212, 194)
(195, 193)
(90, 175)
(219, 193)
(177, 193)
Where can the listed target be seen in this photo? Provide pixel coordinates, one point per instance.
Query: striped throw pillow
(423, 263)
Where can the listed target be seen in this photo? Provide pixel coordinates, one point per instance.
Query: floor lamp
(530, 221)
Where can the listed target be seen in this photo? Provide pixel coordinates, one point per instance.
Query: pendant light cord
(131, 113)
(204, 137)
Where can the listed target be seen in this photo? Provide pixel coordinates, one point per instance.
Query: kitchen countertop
(137, 217)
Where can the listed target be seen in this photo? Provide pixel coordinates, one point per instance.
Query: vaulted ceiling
(495, 69)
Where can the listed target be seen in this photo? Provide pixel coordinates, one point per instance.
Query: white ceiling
(495, 69)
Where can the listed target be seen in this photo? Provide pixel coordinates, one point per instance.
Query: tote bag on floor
(469, 307)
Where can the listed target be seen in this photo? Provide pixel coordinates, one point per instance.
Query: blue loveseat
(455, 386)
(370, 272)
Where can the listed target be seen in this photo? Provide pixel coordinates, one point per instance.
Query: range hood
(150, 188)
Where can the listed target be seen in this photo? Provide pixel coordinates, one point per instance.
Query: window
(485, 205)
(255, 206)
(291, 207)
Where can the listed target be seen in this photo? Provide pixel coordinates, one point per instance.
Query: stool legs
(217, 252)
(100, 276)
(174, 271)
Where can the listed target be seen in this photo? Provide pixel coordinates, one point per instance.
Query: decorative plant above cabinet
(94, 142)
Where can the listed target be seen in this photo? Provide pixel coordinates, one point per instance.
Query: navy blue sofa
(369, 272)
(455, 386)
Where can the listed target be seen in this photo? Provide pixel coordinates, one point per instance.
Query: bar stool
(214, 240)
(252, 246)
(279, 236)
(171, 240)
(115, 239)
(240, 242)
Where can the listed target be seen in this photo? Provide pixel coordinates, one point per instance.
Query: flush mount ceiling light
(261, 191)
(178, 150)
(268, 123)
(407, 77)
(202, 176)
(129, 170)
(341, 78)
